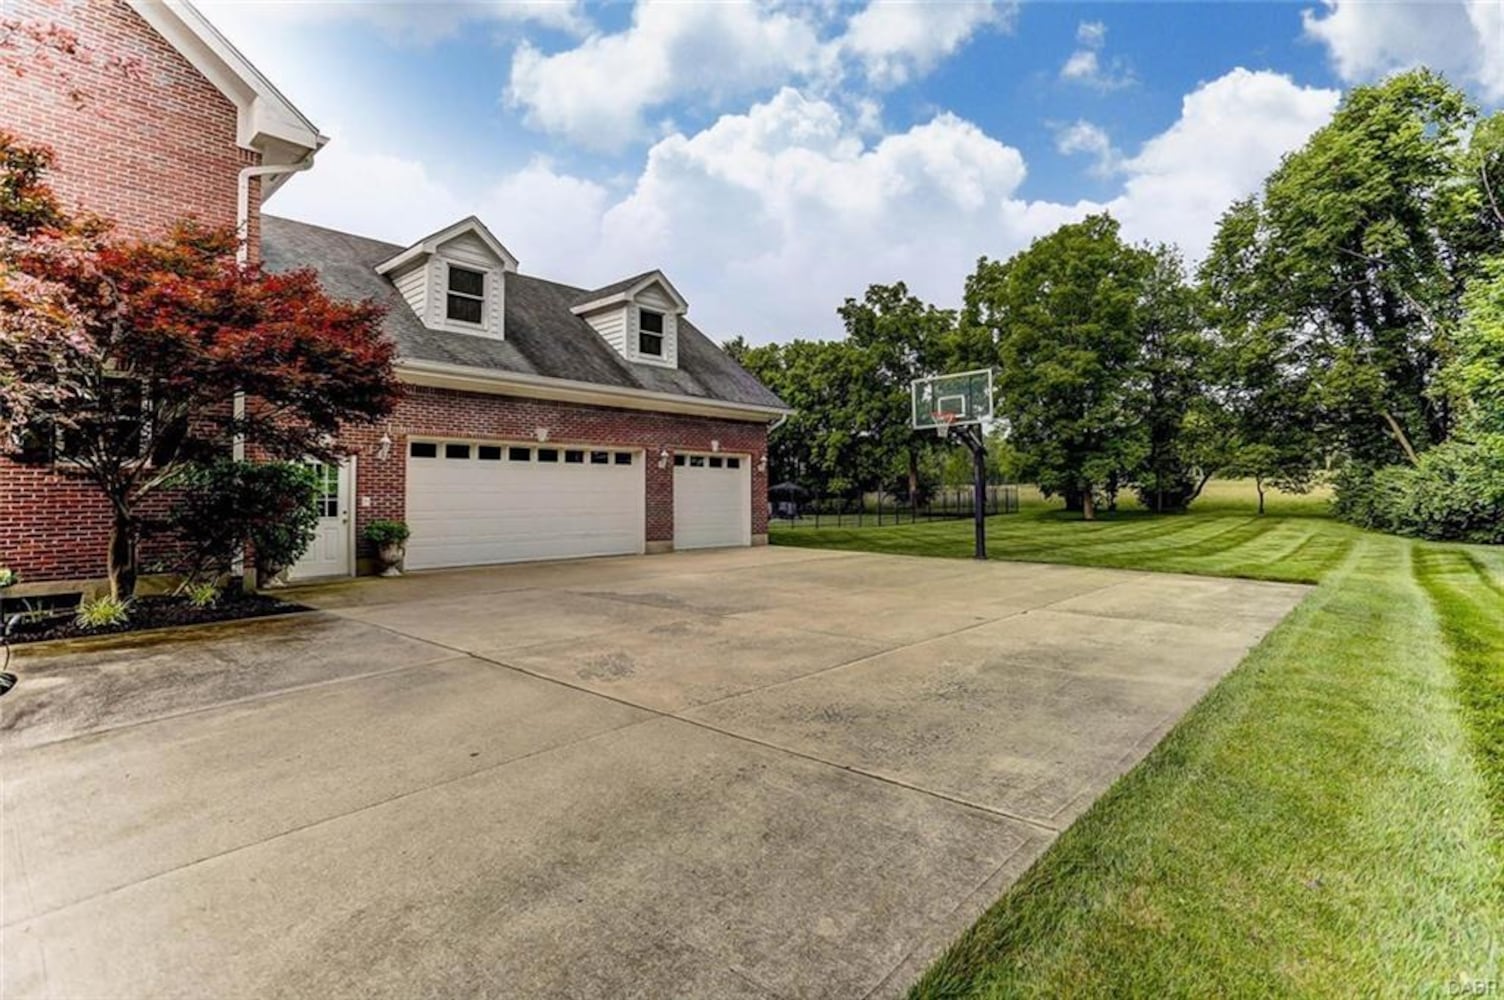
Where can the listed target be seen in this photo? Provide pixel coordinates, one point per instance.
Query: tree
(123, 356)
(1360, 246)
(1475, 377)
(1259, 365)
(1065, 316)
(897, 339)
(1185, 430)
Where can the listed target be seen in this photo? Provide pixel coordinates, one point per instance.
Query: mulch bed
(156, 612)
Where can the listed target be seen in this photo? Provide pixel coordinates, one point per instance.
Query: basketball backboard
(947, 400)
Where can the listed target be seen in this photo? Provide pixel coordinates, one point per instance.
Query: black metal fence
(881, 508)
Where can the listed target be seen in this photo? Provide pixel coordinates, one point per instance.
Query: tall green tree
(1260, 364)
(1065, 316)
(1360, 246)
(897, 338)
(1186, 432)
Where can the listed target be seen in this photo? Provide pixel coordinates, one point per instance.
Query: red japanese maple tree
(120, 358)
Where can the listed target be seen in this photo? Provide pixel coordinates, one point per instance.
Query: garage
(712, 501)
(472, 503)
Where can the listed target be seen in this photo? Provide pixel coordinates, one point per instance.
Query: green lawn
(1326, 822)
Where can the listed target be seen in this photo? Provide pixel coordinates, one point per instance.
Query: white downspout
(243, 253)
(242, 257)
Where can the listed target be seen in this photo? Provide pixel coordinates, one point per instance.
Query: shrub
(1455, 493)
(8, 577)
(203, 595)
(226, 504)
(386, 532)
(103, 612)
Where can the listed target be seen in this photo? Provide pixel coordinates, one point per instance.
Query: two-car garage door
(474, 503)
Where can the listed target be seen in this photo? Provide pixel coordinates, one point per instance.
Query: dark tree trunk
(122, 564)
(1073, 501)
(1088, 505)
(914, 483)
(1258, 481)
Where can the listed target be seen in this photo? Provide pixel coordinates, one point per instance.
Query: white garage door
(712, 501)
(472, 503)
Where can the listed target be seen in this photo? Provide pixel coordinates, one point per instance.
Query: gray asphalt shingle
(542, 336)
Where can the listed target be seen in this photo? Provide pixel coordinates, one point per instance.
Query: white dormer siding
(618, 316)
(455, 280)
(413, 284)
(611, 324)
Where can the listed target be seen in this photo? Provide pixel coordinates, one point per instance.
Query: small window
(489, 453)
(733, 463)
(423, 449)
(697, 461)
(715, 463)
(467, 295)
(678, 459)
(600, 458)
(623, 458)
(574, 457)
(456, 451)
(515, 454)
(650, 333)
(548, 454)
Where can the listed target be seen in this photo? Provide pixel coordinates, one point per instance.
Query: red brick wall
(145, 152)
(427, 412)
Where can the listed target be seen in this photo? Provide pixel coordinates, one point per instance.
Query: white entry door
(330, 552)
(712, 501)
(470, 502)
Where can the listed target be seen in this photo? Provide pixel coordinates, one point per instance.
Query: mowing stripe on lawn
(1314, 827)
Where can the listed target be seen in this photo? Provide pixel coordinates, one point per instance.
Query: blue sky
(775, 158)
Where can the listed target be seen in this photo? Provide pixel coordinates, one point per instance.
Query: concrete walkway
(746, 773)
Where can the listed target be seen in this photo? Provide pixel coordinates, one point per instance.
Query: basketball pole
(972, 435)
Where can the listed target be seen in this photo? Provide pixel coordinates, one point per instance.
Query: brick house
(540, 421)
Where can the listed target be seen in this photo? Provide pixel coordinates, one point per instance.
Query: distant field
(1328, 821)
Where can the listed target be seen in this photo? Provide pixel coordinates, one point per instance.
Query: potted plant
(390, 539)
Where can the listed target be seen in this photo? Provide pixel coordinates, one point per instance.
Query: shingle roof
(609, 290)
(542, 336)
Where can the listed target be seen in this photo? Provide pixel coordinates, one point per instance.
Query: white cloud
(600, 92)
(769, 218)
(1231, 134)
(1084, 137)
(1086, 66)
(1462, 38)
(898, 40)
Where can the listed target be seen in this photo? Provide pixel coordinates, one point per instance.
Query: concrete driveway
(748, 773)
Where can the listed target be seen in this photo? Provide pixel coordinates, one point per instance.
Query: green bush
(386, 532)
(1455, 493)
(203, 595)
(227, 504)
(102, 612)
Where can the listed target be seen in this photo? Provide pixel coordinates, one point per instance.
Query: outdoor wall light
(715, 445)
(663, 458)
(541, 433)
(762, 464)
(384, 448)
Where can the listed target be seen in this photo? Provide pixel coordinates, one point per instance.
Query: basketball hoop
(943, 422)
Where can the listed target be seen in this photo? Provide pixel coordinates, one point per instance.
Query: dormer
(638, 317)
(454, 280)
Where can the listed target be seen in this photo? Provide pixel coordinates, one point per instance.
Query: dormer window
(650, 333)
(466, 302)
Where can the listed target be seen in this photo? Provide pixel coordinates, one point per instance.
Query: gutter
(443, 375)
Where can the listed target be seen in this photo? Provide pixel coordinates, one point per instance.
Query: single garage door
(712, 501)
(471, 503)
